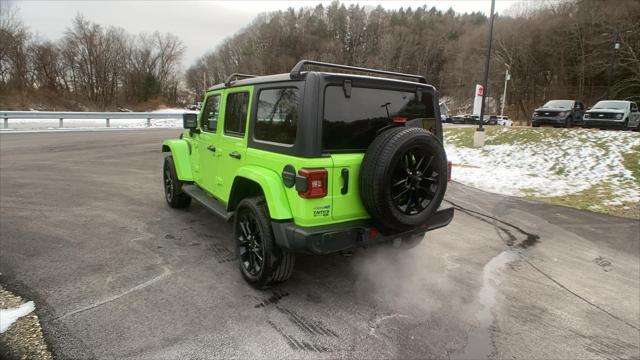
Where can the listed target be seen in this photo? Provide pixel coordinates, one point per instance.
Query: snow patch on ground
(9, 316)
(171, 110)
(553, 166)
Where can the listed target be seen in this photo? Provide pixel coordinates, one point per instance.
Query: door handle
(235, 154)
(211, 148)
(345, 181)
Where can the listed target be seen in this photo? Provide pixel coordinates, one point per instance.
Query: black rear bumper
(327, 239)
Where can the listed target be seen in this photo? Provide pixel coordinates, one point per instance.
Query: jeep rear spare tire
(403, 177)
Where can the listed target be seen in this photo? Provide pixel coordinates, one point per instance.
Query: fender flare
(181, 151)
(272, 188)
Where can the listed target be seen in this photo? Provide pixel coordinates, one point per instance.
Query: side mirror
(190, 121)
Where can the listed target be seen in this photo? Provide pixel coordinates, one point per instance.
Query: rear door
(232, 142)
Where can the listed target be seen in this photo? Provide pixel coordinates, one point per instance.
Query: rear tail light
(313, 184)
(449, 166)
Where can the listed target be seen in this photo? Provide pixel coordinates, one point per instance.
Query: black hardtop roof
(297, 74)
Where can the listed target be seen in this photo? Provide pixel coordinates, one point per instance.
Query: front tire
(173, 186)
(262, 263)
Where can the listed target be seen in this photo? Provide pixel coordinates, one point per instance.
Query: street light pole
(507, 77)
(478, 137)
(616, 46)
(614, 57)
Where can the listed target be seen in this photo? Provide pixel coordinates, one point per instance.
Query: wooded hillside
(554, 50)
(93, 67)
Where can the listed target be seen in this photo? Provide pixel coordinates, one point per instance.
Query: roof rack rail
(295, 71)
(236, 76)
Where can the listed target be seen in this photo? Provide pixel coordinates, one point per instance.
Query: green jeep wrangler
(314, 163)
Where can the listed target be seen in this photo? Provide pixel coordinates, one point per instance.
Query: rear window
(235, 118)
(351, 123)
(277, 117)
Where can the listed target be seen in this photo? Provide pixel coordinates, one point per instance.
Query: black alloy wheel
(414, 181)
(168, 184)
(173, 193)
(250, 244)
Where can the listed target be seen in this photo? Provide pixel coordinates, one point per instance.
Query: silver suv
(616, 114)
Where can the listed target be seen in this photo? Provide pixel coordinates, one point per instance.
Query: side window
(210, 113)
(634, 107)
(277, 116)
(235, 117)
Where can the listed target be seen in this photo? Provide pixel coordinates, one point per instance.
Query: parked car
(490, 119)
(471, 119)
(565, 113)
(314, 163)
(616, 114)
(458, 119)
(504, 121)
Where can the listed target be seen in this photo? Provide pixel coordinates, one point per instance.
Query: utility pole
(507, 77)
(612, 60)
(614, 57)
(204, 81)
(478, 136)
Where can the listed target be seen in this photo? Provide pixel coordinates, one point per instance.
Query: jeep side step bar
(236, 76)
(297, 69)
(207, 201)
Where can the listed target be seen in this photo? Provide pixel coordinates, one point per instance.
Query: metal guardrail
(107, 116)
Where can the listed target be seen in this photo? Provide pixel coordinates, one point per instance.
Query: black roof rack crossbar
(295, 71)
(236, 76)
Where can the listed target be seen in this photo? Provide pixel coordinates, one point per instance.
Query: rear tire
(535, 125)
(173, 186)
(262, 263)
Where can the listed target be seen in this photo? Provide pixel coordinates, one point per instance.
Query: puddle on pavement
(480, 341)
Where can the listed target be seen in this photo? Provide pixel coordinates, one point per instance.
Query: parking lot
(114, 272)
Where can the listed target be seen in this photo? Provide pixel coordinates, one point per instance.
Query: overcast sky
(200, 24)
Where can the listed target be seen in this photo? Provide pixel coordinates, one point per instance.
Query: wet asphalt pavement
(114, 272)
